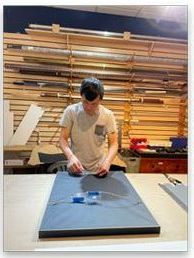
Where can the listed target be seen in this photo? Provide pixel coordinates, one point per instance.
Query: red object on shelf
(138, 143)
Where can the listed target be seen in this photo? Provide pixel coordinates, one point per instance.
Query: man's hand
(103, 168)
(74, 165)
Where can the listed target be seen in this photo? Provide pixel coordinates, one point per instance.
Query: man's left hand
(103, 168)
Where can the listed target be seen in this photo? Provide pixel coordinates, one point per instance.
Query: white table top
(25, 199)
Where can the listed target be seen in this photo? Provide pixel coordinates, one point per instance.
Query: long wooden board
(8, 118)
(27, 125)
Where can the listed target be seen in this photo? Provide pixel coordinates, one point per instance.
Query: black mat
(50, 158)
(120, 210)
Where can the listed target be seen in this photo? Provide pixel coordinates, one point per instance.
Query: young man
(87, 124)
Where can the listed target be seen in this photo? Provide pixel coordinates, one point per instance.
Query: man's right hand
(74, 165)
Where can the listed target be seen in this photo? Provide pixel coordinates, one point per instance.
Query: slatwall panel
(125, 81)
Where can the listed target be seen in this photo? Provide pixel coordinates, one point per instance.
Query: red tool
(138, 143)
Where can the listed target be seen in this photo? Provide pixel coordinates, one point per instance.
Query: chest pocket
(100, 134)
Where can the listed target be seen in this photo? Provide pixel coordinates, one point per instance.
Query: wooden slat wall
(155, 121)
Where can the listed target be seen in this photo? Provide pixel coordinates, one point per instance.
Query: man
(87, 123)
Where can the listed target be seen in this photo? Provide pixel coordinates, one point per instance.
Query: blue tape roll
(93, 193)
(78, 199)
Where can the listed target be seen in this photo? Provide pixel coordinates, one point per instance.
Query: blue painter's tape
(93, 193)
(78, 199)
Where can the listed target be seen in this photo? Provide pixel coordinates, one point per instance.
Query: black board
(119, 211)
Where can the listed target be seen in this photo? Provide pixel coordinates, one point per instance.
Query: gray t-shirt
(88, 133)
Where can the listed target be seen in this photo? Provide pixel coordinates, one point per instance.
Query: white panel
(7, 122)
(27, 125)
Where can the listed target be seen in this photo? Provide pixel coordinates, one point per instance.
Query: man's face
(91, 107)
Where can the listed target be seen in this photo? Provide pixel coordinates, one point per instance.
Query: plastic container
(178, 142)
(90, 197)
(93, 197)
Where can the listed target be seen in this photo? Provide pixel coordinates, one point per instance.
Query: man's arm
(112, 151)
(74, 165)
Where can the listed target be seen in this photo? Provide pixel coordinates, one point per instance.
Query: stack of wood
(145, 79)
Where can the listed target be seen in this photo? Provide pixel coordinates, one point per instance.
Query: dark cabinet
(163, 165)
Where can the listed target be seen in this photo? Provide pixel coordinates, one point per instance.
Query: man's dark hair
(91, 88)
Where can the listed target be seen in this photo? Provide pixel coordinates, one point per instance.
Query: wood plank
(8, 119)
(27, 125)
(145, 118)
(156, 132)
(36, 43)
(171, 52)
(41, 36)
(11, 88)
(64, 59)
(153, 118)
(120, 42)
(16, 75)
(152, 127)
(40, 103)
(151, 137)
(18, 148)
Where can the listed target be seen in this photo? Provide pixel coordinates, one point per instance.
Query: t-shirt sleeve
(66, 119)
(111, 123)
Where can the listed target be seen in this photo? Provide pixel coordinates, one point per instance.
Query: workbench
(26, 196)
